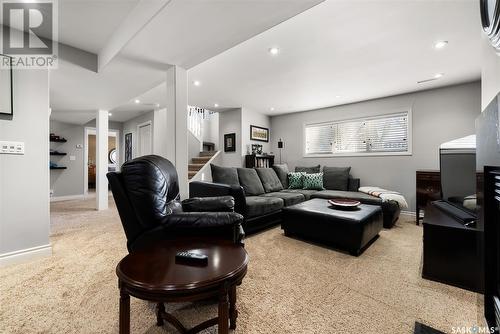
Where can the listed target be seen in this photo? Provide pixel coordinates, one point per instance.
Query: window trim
(362, 154)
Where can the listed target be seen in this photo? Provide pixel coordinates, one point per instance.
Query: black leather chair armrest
(209, 204)
(207, 225)
(208, 189)
(353, 184)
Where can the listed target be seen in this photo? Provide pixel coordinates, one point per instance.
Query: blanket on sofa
(385, 195)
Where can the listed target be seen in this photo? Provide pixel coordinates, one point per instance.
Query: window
(388, 134)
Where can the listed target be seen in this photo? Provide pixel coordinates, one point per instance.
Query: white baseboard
(67, 198)
(25, 255)
(409, 213)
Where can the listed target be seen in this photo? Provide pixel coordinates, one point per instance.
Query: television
(457, 160)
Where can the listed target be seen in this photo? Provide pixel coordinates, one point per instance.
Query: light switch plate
(11, 147)
(72, 158)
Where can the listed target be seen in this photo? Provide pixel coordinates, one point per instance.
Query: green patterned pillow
(313, 181)
(295, 180)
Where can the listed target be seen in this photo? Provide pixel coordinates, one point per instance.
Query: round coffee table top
(154, 268)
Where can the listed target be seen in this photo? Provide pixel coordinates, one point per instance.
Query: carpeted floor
(291, 286)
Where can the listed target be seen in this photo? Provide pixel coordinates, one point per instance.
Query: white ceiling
(185, 32)
(88, 24)
(345, 51)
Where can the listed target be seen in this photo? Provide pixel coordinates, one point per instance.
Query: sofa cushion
(282, 172)
(269, 179)
(260, 205)
(359, 196)
(225, 175)
(295, 180)
(287, 197)
(313, 181)
(250, 181)
(336, 178)
(309, 170)
(307, 193)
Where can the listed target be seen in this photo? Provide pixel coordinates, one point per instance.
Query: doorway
(145, 138)
(90, 159)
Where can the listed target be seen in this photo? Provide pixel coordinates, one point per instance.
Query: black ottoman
(348, 230)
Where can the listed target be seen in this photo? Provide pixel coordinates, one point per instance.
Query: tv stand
(451, 251)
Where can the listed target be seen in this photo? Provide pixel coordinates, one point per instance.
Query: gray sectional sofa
(261, 193)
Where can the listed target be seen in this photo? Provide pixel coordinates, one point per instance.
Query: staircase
(198, 162)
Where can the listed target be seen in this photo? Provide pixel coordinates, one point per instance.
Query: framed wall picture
(6, 95)
(128, 147)
(230, 142)
(259, 133)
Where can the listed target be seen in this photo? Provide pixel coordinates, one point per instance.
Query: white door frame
(92, 131)
(150, 123)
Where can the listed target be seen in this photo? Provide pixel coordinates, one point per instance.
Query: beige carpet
(291, 286)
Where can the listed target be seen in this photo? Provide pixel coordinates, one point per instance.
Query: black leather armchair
(146, 193)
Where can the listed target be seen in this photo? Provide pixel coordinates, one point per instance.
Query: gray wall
(230, 122)
(67, 182)
(251, 117)
(490, 73)
(439, 115)
(24, 179)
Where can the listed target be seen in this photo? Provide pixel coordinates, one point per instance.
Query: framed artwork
(128, 147)
(258, 133)
(6, 99)
(230, 142)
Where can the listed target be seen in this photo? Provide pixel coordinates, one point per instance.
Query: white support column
(101, 160)
(176, 139)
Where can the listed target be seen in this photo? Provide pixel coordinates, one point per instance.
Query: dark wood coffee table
(152, 274)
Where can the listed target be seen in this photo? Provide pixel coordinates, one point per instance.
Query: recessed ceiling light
(272, 109)
(274, 51)
(337, 96)
(440, 44)
(110, 114)
(196, 83)
(438, 75)
(137, 101)
(216, 105)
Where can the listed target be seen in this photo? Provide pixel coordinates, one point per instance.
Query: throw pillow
(269, 179)
(336, 178)
(308, 170)
(225, 175)
(282, 172)
(313, 181)
(295, 180)
(250, 182)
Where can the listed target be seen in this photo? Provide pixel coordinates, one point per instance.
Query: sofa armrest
(209, 204)
(353, 184)
(208, 189)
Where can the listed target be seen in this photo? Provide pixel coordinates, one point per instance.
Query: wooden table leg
(233, 312)
(124, 312)
(159, 314)
(223, 311)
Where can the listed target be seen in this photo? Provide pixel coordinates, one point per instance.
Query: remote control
(191, 258)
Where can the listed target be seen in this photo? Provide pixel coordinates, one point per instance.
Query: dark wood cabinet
(259, 161)
(428, 185)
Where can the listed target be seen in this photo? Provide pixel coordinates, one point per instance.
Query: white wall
(490, 73)
(211, 130)
(131, 127)
(194, 146)
(438, 116)
(252, 117)
(67, 182)
(24, 179)
(230, 122)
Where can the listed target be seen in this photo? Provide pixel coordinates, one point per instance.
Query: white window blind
(388, 133)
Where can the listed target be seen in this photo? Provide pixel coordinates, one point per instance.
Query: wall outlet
(11, 147)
